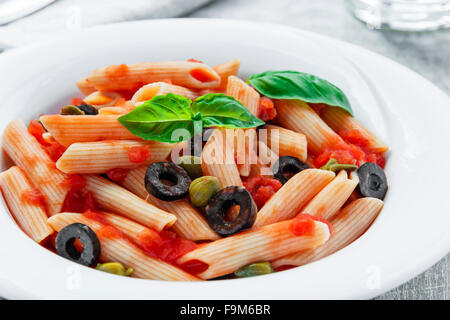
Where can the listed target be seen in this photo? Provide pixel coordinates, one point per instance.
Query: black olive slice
(65, 247)
(88, 109)
(372, 181)
(286, 166)
(223, 200)
(164, 170)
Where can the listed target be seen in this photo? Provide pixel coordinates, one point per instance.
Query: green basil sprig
(158, 118)
(299, 85)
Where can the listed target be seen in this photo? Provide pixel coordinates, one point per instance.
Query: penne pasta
(104, 99)
(348, 225)
(85, 87)
(69, 129)
(158, 89)
(190, 223)
(225, 70)
(266, 155)
(340, 120)
(121, 250)
(117, 199)
(244, 147)
(101, 156)
(265, 244)
(292, 196)
(296, 115)
(245, 94)
(24, 203)
(290, 143)
(332, 197)
(132, 76)
(244, 144)
(134, 182)
(27, 153)
(218, 158)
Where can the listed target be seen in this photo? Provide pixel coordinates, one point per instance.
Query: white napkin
(64, 16)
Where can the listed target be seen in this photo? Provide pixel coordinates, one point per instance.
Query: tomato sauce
(164, 245)
(77, 199)
(117, 174)
(33, 196)
(36, 129)
(116, 71)
(266, 109)
(303, 224)
(194, 60)
(76, 101)
(262, 188)
(354, 150)
(139, 154)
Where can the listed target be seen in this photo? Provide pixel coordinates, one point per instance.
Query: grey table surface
(427, 53)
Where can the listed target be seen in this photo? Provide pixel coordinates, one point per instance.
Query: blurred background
(414, 33)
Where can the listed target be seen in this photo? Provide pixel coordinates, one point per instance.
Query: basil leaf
(299, 85)
(219, 110)
(158, 118)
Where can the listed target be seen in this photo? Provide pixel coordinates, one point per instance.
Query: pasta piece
(69, 129)
(99, 157)
(266, 155)
(27, 153)
(296, 115)
(292, 196)
(119, 249)
(245, 94)
(131, 77)
(290, 143)
(134, 182)
(104, 99)
(224, 70)
(190, 223)
(265, 244)
(158, 89)
(244, 144)
(218, 158)
(28, 212)
(349, 224)
(331, 198)
(117, 199)
(261, 169)
(340, 120)
(85, 87)
(245, 148)
(108, 111)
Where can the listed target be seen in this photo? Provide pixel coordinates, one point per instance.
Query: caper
(254, 269)
(71, 110)
(202, 189)
(115, 268)
(192, 164)
(335, 166)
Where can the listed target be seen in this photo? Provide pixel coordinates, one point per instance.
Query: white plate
(408, 112)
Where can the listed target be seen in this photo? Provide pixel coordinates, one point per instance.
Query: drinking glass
(406, 15)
